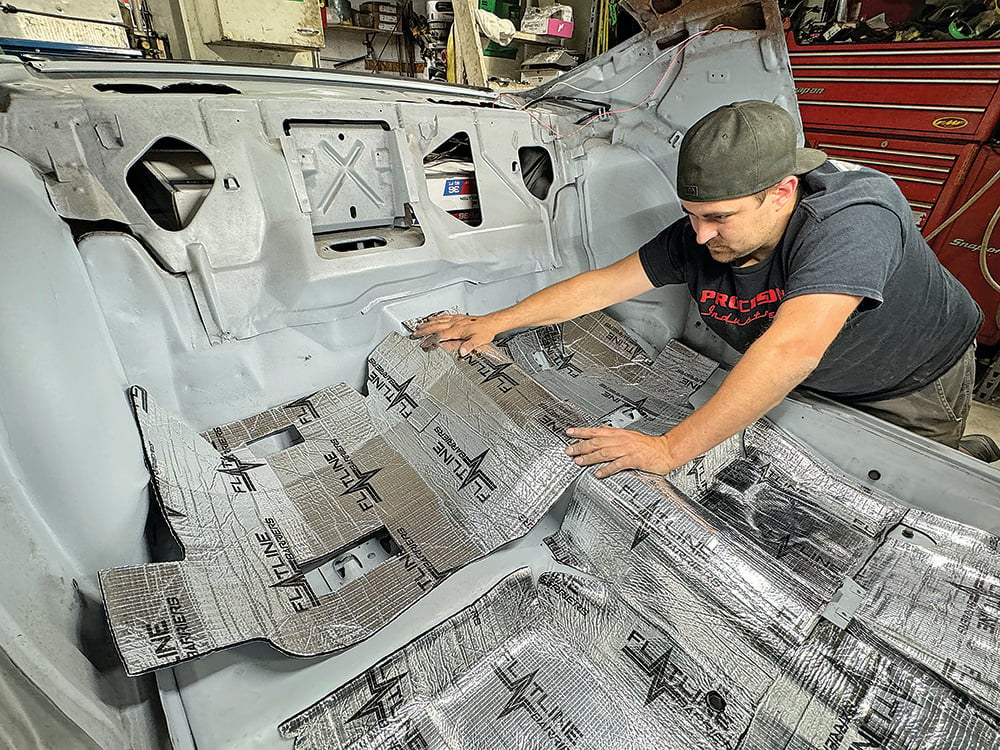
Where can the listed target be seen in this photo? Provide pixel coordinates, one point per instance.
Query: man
(813, 269)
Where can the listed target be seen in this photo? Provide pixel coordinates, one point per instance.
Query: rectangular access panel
(929, 173)
(958, 244)
(279, 24)
(938, 89)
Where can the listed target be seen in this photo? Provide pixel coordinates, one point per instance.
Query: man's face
(739, 231)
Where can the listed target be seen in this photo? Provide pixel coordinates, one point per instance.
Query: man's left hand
(619, 449)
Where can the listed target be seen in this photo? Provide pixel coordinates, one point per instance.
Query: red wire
(629, 109)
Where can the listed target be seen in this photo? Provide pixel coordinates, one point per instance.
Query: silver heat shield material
(568, 663)
(487, 438)
(293, 521)
(593, 363)
(561, 664)
(702, 622)
(935, 597)
(248, 546)
(756, 526)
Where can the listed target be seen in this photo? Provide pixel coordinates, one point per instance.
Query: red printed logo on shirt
(728, 308)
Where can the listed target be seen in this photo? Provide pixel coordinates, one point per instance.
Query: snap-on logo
(950, 123)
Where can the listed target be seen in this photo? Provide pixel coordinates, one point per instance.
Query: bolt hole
(341, 136)
(354, 212)
(874, 475)
(908, 533)
(715, 701)
(371, 555)
(513, 166)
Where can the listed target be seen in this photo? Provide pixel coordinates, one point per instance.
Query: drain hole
(360, 243)
(715, 701)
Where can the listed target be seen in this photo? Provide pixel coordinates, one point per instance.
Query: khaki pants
(938, 410)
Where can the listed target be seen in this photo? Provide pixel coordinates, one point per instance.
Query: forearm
(759, 381)
(778, 361)
(568, 299)
(560, 302)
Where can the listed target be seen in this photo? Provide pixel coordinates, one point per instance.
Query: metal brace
(844, 604)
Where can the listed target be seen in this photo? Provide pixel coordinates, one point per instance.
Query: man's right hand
(464, 333)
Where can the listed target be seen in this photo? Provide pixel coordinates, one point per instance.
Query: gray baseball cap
(740, 149)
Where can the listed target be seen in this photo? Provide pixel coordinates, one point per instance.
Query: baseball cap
(740, 149)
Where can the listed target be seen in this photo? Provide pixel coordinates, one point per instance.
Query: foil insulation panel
(568, 663)
(294, 520)
(847, 690)
(248, 548)
(487, 438)
(666, 554)
(934, 595)
(593, 363)
(560, 664)
(755, 526)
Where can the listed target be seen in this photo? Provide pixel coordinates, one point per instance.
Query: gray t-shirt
(851, 233)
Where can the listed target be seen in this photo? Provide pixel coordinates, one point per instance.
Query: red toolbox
(943, 90)
(928, 172)
(958, 244)
(920, 112)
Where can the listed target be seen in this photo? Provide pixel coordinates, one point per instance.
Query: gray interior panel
(309, 238)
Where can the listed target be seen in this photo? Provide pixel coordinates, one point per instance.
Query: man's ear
(784, 192)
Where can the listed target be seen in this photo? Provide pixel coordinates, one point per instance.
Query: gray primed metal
(239, 312)
(345, 167)
(71, 492)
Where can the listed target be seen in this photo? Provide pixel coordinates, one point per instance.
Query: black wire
(8, 8)
(339, 62)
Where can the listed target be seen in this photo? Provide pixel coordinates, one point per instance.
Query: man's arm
(779, 360)
(584, 293)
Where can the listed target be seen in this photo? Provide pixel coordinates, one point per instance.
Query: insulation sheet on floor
(934, 594)
(294, 521)
(593, 363)
(567, 663)
(758, 528)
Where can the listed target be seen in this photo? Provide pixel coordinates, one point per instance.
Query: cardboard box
(381, 16)
(471, 216)
(451, 185)
(381, 10)
(538, 76)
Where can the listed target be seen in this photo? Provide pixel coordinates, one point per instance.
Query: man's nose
(703, 230)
